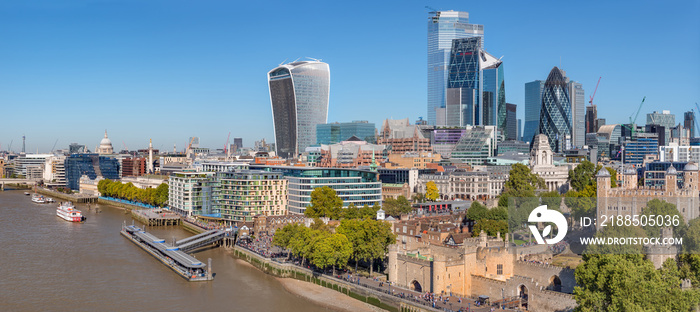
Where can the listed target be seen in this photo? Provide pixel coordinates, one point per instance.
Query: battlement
(544, 266)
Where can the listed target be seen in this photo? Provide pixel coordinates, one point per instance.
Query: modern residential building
(578, 113)
(511, 123)
(192, 193)
(400, 136)
(222, 166)
(332, 133)
(443, 27)
(533, 105)
(353, 186)
(90, 165)
(243, 194)
(35, 161)
(689, 122)
(55, 171)
(475, 87)
(555, 114)
(299, 93)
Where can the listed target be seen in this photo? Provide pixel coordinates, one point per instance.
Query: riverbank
(324, 296)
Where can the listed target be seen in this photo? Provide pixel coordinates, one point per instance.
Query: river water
(48, 264)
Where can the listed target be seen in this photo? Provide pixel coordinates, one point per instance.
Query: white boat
(39, 199)
(49, 200)
(27, 193)
(68, 212)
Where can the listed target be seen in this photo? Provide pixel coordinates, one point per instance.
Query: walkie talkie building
(299, 97)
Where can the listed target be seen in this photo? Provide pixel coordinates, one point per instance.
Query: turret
(630, 178)
(603, 180)
(690, 176)
(671, 179)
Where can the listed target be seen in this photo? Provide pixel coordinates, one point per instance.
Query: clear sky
(169, 70)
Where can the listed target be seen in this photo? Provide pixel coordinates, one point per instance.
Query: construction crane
(226, 146)
(594, 91)
(54, 146)
(632, 126)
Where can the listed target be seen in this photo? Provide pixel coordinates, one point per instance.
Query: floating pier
(156, 217)
(183, 264)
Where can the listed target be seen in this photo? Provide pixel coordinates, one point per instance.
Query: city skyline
(72, 70)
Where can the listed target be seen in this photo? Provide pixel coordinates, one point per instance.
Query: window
(499, 269)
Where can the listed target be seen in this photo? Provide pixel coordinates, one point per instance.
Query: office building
(664, 119)
(578, 113)
(75, 148)
(299, 94)
(519, 136)
(444, 140)
(336, 132)
(443, 27)
(533, 105)
(511, 124)
(90, 165)
(555, 114)
(243, 194)
(476, 145)
(642, 145)
(475, 87)
(689, 122)
(353, 186)
(238, 143)
(608, 140)
(591, 119)
(400, 136)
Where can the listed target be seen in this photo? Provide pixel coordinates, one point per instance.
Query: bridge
(27, 182)
(199, 240)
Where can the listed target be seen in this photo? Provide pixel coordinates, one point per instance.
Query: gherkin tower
(555, 115)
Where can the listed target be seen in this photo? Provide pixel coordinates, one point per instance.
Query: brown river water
(48, 264)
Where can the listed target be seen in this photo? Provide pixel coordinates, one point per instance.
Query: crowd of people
(261, 245)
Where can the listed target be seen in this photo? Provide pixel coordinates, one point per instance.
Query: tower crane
(632, 125)
(594, 91)
(54, 146)
(226, 146)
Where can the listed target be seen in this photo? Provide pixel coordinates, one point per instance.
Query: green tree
(583, 203)
(318, 225)
(582, 176)
(418, 197)
(331, 250)
(477, 211)
(431, 191)
(552, 199)
(355, 231)
(522, 182)
(368, 212)
(490, 227)
(497, 213)
(324, 203)
(352, 212)
(381, 237)
(655, 208)
(613, 176)
(396, 207)
(630, 283)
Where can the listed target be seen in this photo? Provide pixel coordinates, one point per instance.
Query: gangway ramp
(191, 238)
(203, 240)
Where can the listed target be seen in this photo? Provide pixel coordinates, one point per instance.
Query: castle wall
(542, 274)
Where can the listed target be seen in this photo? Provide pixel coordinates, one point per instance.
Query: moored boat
(67, 211)
(39, 199)
(27, 193)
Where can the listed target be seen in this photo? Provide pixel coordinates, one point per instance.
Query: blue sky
(169, 70)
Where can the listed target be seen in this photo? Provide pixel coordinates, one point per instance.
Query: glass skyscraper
(475, 87)
(555, 114)
(443, 27)
(91, 165)
(511, 127)
(533, 104)
(299, 97)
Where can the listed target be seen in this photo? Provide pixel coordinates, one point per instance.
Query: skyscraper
(689, 122)
(475, 87)
(578, 112)
(664, 119)
(443, 27)
(555, 114)
(591, 119)
(299, 97)
(511, 122)
(533, 104)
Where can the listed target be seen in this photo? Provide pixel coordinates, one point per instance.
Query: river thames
(49, 264)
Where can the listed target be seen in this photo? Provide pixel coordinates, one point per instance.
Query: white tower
(150, 155)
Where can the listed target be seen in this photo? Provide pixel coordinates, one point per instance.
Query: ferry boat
(68, 212)
(39, 199)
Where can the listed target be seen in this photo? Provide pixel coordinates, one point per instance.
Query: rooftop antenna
(311, 58)
(296, 60)
(285, 61)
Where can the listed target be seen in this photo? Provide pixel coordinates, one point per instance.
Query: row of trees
(356, 239)
(325, 203)
(152, 196)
